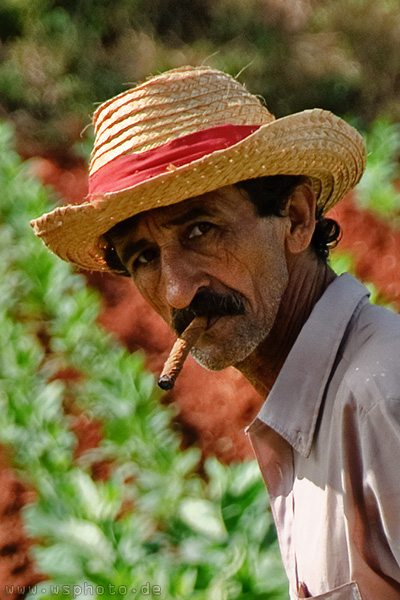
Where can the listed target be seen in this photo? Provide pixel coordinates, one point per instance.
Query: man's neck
(308, 279)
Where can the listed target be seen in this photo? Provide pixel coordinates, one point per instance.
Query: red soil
(16, 566)
(375, 247)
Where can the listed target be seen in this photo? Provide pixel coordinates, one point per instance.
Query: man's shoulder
(375, 327)
(372, 356)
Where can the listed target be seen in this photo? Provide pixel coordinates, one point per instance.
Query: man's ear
(301, 212)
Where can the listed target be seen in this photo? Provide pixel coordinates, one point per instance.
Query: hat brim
(314, 143)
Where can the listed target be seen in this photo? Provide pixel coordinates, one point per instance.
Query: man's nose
(182, 278)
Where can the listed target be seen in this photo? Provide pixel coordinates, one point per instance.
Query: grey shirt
(327, 440)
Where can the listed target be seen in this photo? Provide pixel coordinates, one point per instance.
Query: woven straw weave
(165, 108)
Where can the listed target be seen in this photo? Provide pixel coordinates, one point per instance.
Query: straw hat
(190, 131)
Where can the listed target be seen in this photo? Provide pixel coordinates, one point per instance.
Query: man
(216, 209)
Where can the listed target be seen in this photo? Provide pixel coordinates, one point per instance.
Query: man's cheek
(159, 307)
(150, 296)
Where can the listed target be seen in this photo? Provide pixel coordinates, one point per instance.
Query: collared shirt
(327, 440)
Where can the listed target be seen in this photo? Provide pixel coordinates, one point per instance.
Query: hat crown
(169, 106)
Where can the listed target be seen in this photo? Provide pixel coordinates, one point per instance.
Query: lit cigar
(180, 351)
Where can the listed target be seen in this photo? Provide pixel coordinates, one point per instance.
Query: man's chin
(217, 360)
(211, 363)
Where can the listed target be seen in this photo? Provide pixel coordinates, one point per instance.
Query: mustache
(208, 304)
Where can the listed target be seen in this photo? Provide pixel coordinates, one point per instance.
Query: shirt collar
(293, 403)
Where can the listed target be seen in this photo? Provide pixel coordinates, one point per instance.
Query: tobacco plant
(159, 522)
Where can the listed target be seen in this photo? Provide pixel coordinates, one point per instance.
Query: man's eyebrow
(191, 213)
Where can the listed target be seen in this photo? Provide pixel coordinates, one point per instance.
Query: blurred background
(109, 486)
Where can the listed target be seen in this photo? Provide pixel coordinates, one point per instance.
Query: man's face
(214, 255)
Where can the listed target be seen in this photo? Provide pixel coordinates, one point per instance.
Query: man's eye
(145, 257)
(199, 229)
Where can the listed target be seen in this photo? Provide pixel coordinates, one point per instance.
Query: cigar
(180, 351)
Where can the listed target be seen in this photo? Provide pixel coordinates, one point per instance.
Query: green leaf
(204, 517)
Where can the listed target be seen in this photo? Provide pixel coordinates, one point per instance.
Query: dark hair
(111, 257)
(269, 195)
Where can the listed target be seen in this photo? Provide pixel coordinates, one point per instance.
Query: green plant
(58, 58)
(376, 190)
(158, 523)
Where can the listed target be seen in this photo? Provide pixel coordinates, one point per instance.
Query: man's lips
(212, 320)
